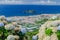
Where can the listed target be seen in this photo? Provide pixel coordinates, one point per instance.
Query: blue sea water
(18, 10)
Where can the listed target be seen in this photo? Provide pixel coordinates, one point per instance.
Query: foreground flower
(8, 19)
(9, 27)
(1, 24)
(5, 22)
(14, 23)
(2, 17)
(35, 37)
(23, 30)
(16, 37)
(54, 17)
(58, 28)
(18, 28)
(10, 37)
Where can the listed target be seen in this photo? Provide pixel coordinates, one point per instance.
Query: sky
(34, 2)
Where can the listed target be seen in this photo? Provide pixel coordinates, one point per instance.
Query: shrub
(58, 34)
(48, 32)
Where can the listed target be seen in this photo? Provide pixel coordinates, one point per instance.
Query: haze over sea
(18, 10)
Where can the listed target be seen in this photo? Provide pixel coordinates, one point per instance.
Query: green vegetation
(58, 34)
(3, 33)
(29, 25)
(30, 34)
(9, 22)
(48, 32)
(41, 21)
(54, 19)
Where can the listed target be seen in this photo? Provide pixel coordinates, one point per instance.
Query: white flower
(23, 30)
(8, 19)
(58, 28)
(16, 37)
(1, 24)
(54, 17)
(34, 37)
(17, 28)
(10, 37)
(2, 17)
(14, 23)
(9, 27)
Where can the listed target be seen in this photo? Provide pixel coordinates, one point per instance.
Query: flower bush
(23, 30)
(10, 37)
(9, 27)
(1, 24)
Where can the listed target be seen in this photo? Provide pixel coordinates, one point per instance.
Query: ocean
(19, 10)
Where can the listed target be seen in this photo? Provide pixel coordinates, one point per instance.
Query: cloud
(34, 2)
(17, 1)
(11, 2)
(45, 2)
(29, 0)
